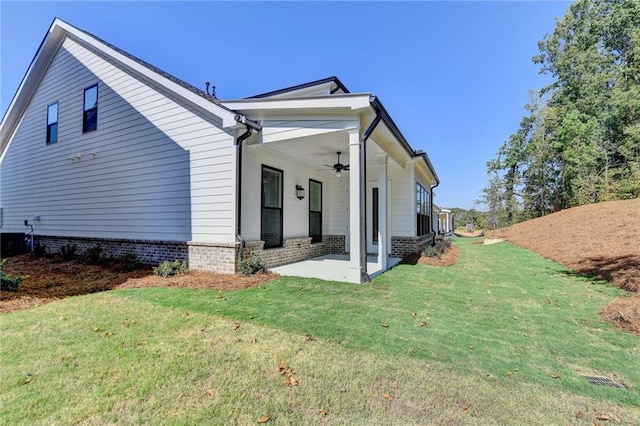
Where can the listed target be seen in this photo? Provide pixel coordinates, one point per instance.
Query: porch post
(355, 207)
(382, 211)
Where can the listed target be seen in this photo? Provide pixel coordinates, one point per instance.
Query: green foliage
(93, 255)
(251, 265)
(438, 249)
(68, 251)
(9, 282)
(580, 141)
(128, 261)
(39, 250)
(168, 268)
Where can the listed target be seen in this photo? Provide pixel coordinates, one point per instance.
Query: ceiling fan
(339, 167)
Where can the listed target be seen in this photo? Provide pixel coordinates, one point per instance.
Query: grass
(499, 338)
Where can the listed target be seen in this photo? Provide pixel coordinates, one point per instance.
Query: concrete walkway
(332, 267)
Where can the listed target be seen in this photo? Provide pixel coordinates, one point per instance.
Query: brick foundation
(213, 257)
(148, 251)
(295, 250)
(405, 246)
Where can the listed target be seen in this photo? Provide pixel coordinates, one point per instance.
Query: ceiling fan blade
(346, 167)
(329, 165)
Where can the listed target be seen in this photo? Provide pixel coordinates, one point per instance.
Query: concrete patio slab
(332, 267)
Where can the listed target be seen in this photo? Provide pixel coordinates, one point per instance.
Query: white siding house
(171, 172)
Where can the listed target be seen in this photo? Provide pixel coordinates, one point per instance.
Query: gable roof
(333, 85)
(56, 34)
(325, 92)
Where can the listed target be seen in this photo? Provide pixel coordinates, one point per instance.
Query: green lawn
(500, 338)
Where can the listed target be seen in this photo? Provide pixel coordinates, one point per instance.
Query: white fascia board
(29, 83)
(350, 101)
(227, 117)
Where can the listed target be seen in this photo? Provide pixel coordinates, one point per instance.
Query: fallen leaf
(310, 337)
(96, 329)
(387, 396)
(219, 296)
(323, 412)
(471, 347)
(181, 395)
(141, 343)
(211, 392)
(509, 374)
(425, 324)
(603, 417)
(515, 317)
(264, 418)
(415, 314)
(237, 326)
(466, 407)
(251, 317)
(555, 376)
(385, 325)
(291, 381)
(185, 314)
(579, 415)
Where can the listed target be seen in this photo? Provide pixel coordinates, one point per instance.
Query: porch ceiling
(316, 151)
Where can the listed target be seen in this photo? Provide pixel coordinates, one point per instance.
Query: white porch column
(382, 211)
(355, 262)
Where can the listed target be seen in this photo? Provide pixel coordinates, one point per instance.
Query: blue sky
(453, 75)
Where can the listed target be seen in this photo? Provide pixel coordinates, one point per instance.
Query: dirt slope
(600, 239)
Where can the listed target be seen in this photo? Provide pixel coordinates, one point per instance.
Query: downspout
(251, 127)
(364, 276)
(431, 209)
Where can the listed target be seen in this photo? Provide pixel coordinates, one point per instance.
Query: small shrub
(93, 255)
(168, 268)
(39, 250)
(251, 265)
(9, 282)
(437, 249)
(129, 261)
(431, 251)
(68, 251)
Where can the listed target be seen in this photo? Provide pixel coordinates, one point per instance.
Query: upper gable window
(52, 123)
(90, 115)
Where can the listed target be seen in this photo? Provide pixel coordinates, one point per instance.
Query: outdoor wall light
(299, 192)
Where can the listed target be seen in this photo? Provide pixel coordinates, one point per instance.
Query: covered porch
(332, 267)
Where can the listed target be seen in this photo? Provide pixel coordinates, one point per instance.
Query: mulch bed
(50, 278)
(448, 258)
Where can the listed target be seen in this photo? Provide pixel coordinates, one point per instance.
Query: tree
(580, 140)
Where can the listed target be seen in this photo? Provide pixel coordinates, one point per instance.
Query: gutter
(431, 209)
(380, 109)
(251, 126)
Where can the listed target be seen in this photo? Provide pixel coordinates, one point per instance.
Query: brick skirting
(405, 246)
(213, 257)
(148, 251)
(295, 250)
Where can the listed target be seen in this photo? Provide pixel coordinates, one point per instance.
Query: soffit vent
(603, 381)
